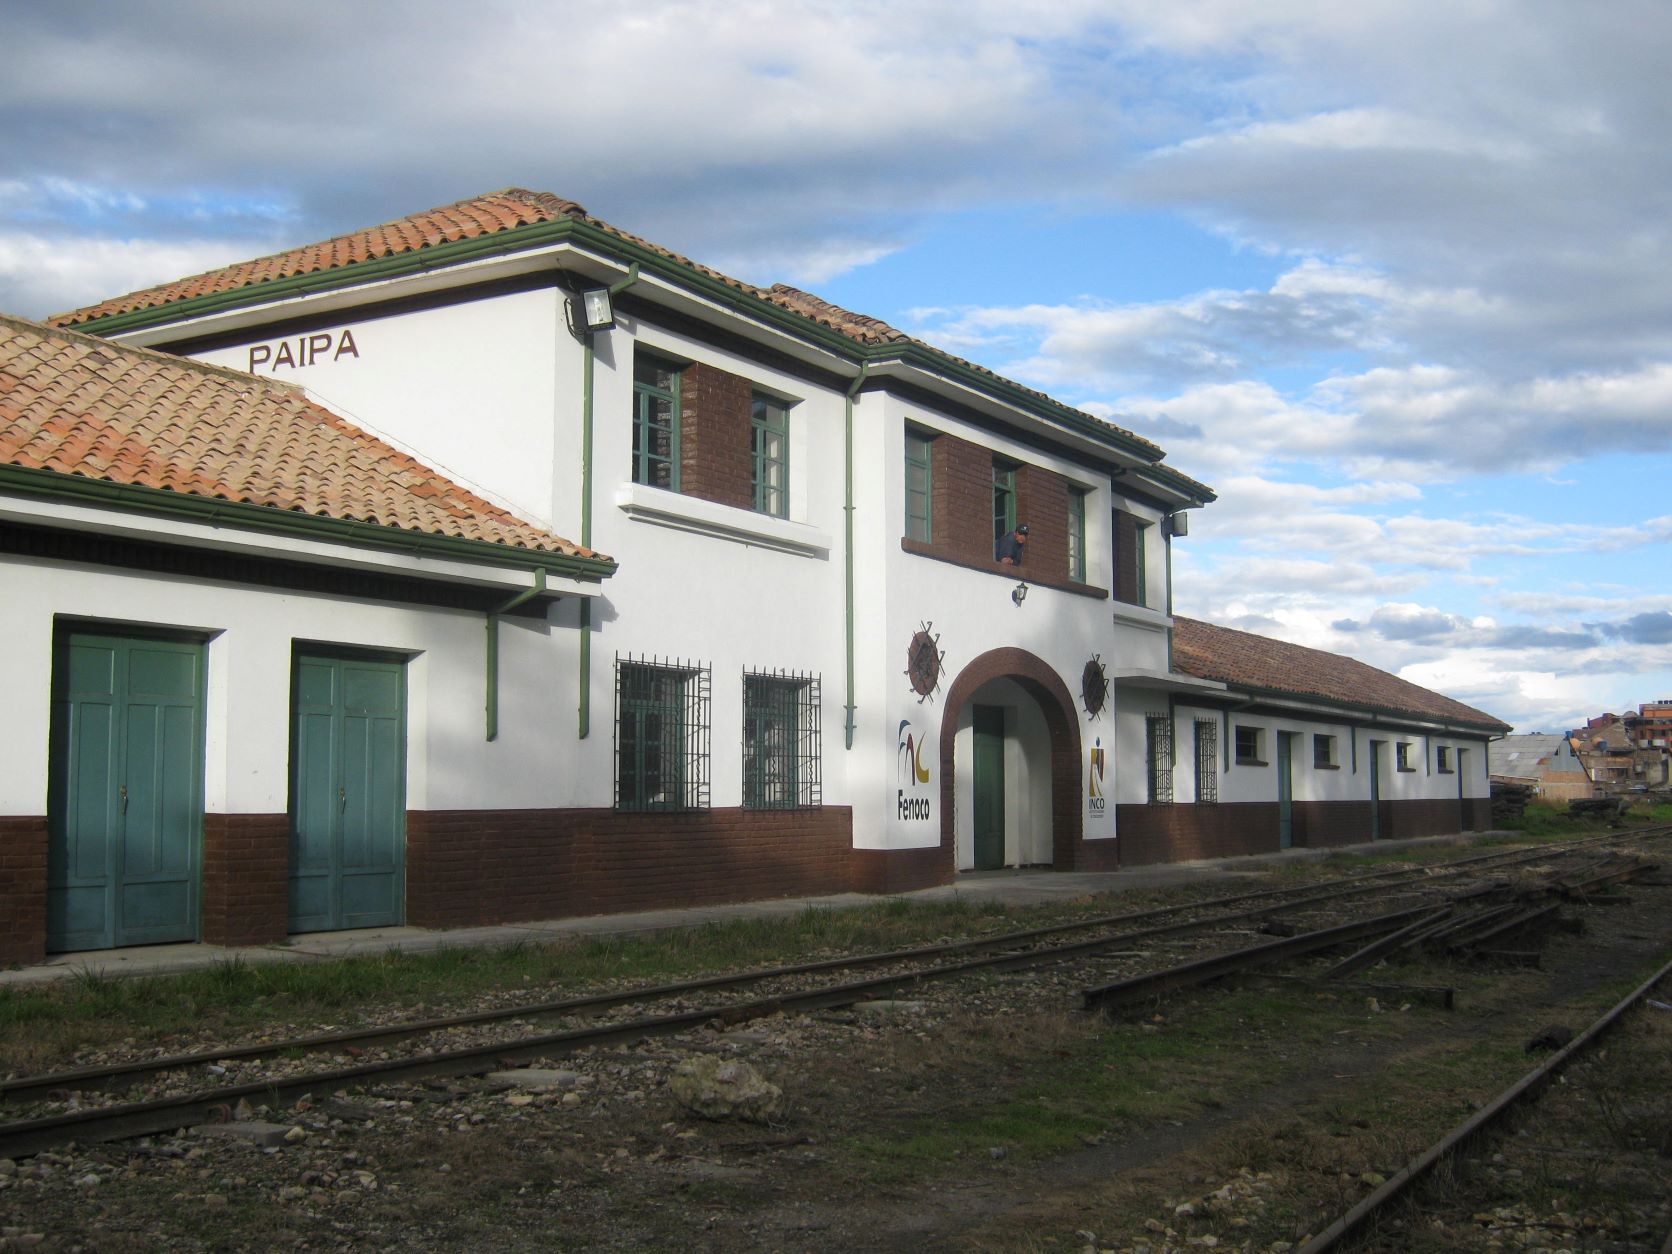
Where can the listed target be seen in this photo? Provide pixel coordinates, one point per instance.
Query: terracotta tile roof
(507, 210)
(78, 405)
(1240, 658)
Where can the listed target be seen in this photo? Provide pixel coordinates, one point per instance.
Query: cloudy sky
(1394, 276)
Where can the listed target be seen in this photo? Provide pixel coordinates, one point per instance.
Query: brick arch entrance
(1045, 686)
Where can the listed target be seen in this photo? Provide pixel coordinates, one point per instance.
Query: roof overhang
(1165, 681)
(593, 255)
(348, 547)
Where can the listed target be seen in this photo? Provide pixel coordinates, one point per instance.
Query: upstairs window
(1131, 580)
(1141, 562)
(655, 423)
(918, 498)
(1077, 535)
(1004, 501)
(770, 451)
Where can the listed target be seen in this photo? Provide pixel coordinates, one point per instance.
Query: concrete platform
(1017, 886)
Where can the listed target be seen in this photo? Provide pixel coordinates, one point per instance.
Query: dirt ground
(985, 1116)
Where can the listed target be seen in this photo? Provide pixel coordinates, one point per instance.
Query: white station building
(296, 641)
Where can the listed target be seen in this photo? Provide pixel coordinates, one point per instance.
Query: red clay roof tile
(1242, 659)
(507, 210)
(84, 406)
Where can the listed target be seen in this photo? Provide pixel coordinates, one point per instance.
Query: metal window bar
(1158, 742)
(661, 734)
(782, 760)
(1207, 761)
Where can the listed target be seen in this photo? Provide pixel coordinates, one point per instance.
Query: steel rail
(115, 1075)
(23, 1137)
(1123, 992)
(1525, 1088)
(1387, 944)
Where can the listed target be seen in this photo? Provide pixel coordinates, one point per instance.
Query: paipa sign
(303, 350)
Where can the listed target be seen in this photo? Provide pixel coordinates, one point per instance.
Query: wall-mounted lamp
(1178, 524)
(1019, 593)
(590, 311)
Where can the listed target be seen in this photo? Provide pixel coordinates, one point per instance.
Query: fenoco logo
(1094, 778)
(909, 770)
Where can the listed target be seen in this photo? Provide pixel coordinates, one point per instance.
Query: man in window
(1009, 548)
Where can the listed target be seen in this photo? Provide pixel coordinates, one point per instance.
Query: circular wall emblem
(1094, 686)
(923, 663)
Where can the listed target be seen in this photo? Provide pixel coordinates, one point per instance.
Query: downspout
(527, 594)
(847, 509)
(585, 712)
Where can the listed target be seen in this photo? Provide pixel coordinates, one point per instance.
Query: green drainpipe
(493, 647)
(585, 727)
(847, 509)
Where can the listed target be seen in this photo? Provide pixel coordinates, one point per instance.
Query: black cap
(1022, 530)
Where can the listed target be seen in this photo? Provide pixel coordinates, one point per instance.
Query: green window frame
(661, 735)
(1141, 560)
(1207, 762)
(655, 422)
(1158, 757)
(1077, 535)
(769, 436)
(1004, 501)
(1323, 751)
(919, 484)
(781, 750)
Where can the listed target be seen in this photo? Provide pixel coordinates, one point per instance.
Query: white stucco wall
(251, 634)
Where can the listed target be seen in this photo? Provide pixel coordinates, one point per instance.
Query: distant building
(1547, 763)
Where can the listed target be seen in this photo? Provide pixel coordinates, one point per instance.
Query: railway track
(1361, 1218)
(1195, 924)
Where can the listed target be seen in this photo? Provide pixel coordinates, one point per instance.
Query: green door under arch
(347, 791)
(124, 791)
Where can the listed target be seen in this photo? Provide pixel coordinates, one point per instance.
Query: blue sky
(1393, 277)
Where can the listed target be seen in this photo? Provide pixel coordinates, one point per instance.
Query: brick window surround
(961, 515)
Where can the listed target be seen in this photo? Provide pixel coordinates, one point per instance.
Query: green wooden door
(347, 792)
(1376, 789)
(989, 787)
(125, 791)
(1465, 816)
(1285, 789)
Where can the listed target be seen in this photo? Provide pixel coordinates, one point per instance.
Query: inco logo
(1094, 778)
(908, 763)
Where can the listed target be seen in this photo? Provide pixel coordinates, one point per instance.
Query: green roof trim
(161, 502)
(683, 273)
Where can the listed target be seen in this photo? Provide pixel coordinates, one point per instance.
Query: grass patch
(1084, 1077)
(47, 1025)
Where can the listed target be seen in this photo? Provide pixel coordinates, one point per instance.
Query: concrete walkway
(1026, 886)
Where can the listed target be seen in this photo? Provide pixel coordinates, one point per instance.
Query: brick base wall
(22, 889)
(900, 870)
(500, 866)
(1326, 824)
(246, 878)
(1403, 820)
(1182, 833)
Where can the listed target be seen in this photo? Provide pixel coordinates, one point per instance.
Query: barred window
(781, 757)
(661, 735)
(1207, 761)
(1158, 752)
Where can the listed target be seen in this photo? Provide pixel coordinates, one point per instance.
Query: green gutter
(161, 502)
(584, 714)
(683, 273)
(527, 594)
(847, 510)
